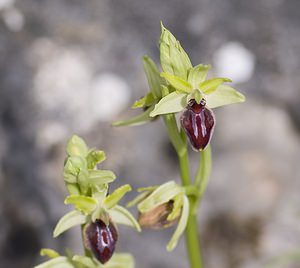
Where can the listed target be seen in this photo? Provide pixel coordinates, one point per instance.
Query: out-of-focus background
(75, 66)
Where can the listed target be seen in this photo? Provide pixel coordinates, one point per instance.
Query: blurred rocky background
(75, 66)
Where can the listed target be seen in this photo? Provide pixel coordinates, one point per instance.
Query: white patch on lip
(234, 61)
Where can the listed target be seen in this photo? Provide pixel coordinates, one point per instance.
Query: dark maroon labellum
(101, 239)
(198, 122)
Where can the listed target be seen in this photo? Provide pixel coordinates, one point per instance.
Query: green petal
(121, 215)
(178, 83)
(198, 74)
(116, 196)
(77, 147)
(181, 225)
(173, 58)
(50, 253)
(161, 195)
(68, 221)
(171, 103)
(224, 95)
(209, 86)
(153, 76)
(59, 262)
(83, 203)
(95, 157)
(146, 101)
(99, 177)
(138, 120)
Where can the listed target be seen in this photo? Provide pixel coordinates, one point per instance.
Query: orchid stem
(191, 231)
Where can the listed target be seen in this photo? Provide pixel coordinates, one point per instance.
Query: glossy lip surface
(102, 239)
(198, 122)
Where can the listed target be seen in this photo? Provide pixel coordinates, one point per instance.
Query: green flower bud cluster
(88, 193)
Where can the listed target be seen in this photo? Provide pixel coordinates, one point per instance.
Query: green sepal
(172, 103)
(95, 157)
(121, 215)
(146, 101)
(178, 83)
(59, 262)
(173, 58)
(83, 203)
(138, 120)
(77, 147)
(83, 181)
(177, 207)
(198, 74)
(181, 225)
(153, 77)
(101, 213)
(68, 221)
(196, 95)
(72, 167)
(160, 195)
(73, 188)
(138, 199)
(120, 260)
(50, 253)
(224, 95)
(211, 85)
(99, 177)
(99, 192)
(87, 262)
(116, 196)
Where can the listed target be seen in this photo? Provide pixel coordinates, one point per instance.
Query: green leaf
(209, 86)
(198, 74)
(138, 120)
(86, 261)
(178, 83)
(68, 221)
(95, 157)
(116, 196)
(59, 262)
(224, 95)
(172, 103)
(173, 58)
(146, 101)
(83, 203)
(101, 176)
(121, 215)
(50, 253)
(161, 195)
(120, 260)
(153, 76)
(77, 147)
(181, 225)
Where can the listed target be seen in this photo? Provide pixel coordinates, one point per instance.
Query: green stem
(191, 232)
(204, 170)
(192, 240)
